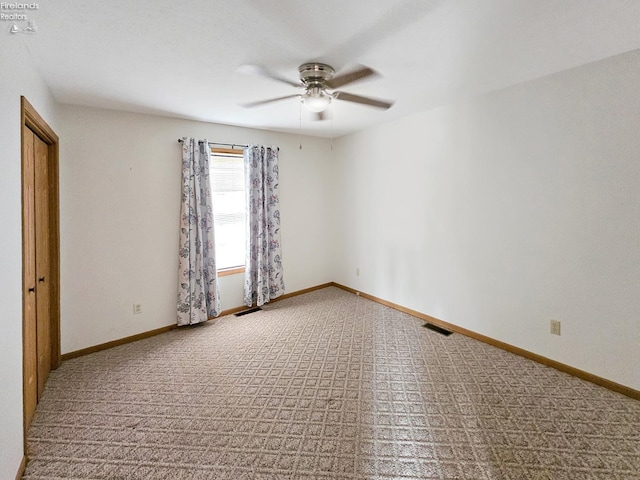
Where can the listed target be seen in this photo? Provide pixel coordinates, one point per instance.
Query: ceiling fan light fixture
(316, 100)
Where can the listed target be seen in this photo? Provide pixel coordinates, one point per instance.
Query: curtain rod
(223, 144)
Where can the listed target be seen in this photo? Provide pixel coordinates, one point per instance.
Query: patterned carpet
(325, 385)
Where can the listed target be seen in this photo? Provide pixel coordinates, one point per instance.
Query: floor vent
(440, 330)
(246, 312)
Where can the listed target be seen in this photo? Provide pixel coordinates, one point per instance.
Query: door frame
(31, 119)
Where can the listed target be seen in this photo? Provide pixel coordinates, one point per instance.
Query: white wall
(120, 203)
(507, 211)
(18, 77)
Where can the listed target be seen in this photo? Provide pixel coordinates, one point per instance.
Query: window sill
(230, 271)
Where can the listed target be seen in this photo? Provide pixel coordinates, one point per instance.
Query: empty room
(395, 239)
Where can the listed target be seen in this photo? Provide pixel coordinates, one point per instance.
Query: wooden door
(41, 256)
(29, 333)
(43, 313)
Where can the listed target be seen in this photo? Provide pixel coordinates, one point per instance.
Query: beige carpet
(326, 385)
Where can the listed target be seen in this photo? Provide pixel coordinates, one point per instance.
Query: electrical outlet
(137, 308)
(555, 327)
(357, 272)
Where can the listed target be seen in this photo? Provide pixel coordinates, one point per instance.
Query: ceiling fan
(317, 79)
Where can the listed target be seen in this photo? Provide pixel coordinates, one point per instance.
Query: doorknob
(41, 279)
(32, 289)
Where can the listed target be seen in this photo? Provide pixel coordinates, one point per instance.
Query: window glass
(229, 207)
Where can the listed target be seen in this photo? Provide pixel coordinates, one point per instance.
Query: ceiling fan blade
(264, 102)
(262, 71)
(372, 102)
(351, 77)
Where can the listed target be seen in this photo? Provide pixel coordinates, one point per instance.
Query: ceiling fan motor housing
(315, 74)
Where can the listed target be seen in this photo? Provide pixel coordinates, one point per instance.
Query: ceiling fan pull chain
(300, 129)
(331, 107)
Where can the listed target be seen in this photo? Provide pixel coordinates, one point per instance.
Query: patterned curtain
(198, 296)
(263, 270)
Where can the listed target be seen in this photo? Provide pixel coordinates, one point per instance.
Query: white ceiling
(181, 58)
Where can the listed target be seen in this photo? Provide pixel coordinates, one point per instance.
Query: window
(229, 208)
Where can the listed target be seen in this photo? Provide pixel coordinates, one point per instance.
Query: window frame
(222, 272)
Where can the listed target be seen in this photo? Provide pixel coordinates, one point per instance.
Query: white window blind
(229, 208)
